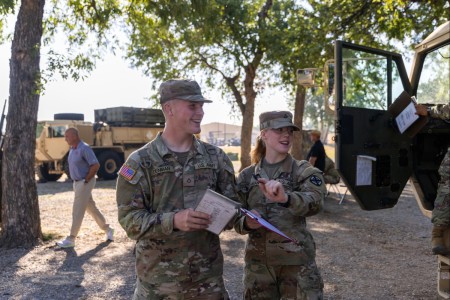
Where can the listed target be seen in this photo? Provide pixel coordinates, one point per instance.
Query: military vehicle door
(372, 156)
(430, 82)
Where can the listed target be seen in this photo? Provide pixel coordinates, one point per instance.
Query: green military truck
(116, 132)
(377, 153)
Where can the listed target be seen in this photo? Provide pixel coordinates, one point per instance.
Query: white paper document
(221, 209)
(406, 117)
(364, 169)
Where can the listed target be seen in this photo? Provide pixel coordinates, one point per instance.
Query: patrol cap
(276, 119)
(183, 89)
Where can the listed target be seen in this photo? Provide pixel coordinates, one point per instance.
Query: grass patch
(49, 236)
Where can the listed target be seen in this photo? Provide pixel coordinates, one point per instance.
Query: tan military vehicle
(116, 132)
(379, 144)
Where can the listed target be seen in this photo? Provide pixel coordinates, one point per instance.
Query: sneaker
(110, 234)
(66, 243)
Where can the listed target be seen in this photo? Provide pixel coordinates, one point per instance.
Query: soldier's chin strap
(146, 163)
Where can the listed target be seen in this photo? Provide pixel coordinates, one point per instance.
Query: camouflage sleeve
(242, 188)
(307, 199)
(226, 181)
(441, 111)
(134, 205)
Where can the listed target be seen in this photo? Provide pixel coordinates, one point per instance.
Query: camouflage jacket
(441, 111)
(306, 189)
(146, 211)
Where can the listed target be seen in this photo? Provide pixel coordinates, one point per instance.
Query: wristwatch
(429, 110)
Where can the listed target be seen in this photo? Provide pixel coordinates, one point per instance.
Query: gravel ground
(362, 255)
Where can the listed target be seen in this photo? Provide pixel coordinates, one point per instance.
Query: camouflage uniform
(172, 264)
(274, 267)
(441, 211)
(330, 174)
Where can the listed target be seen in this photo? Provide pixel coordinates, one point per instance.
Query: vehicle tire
(43, 174)
(110, 163)
(69, 116)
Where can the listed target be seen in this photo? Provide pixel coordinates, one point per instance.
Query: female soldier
(283, 191)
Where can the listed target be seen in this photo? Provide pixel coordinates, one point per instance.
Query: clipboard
(400, 105)
(221, 208)
(266, 224)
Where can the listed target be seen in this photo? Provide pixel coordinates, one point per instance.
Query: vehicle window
(56, 131)
(365, 78)
(434, 84)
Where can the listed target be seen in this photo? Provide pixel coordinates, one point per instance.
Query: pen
(249, 213)
(256, 176)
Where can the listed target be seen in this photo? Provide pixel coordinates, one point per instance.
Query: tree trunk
(247, 120)
(297, 147)
(20, 211)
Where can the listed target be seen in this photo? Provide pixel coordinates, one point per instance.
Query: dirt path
(362, 255)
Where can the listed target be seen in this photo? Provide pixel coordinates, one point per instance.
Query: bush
(233, 156)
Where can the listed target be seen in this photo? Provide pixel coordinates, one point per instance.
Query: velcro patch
(127, 172)
(163, 169)
(315, 180)
(205, 165)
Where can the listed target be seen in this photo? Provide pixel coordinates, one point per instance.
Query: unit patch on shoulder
(127, 172)
(315, 180)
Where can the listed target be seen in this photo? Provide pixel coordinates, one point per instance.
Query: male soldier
(330, 174)
(158, 188)
(441, 212)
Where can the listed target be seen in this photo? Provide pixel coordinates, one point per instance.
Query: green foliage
(434, 86)
(309, 30)
(87, 28)
(219, 40)
(7, 7)
(233, 156)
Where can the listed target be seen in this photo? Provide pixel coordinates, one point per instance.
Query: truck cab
(52, 148)
(115, 134)
(377, 151)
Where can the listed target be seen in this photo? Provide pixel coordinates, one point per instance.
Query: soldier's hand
(190, 220)
(251, 223)
(273, 190)
(421, 110)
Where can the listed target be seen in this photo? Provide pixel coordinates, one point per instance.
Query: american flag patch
(127, 172)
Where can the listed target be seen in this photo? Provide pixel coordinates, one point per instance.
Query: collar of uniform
(198, 146)
(163, 150)
(285, 167)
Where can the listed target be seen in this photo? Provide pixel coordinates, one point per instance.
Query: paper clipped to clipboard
(221, 208)
(266, 224)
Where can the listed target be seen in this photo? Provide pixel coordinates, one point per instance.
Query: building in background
(222, 134)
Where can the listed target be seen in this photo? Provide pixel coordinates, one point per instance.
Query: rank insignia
(315, 180)
(127, 172)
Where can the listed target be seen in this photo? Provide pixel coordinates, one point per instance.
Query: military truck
(116, 132)
(376, 152)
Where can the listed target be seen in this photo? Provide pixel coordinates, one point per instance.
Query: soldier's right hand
(190, 220)
(251, 223)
